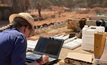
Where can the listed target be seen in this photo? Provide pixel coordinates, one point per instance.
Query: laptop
(48, 46)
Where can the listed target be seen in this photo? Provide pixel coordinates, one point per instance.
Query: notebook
(48, 46)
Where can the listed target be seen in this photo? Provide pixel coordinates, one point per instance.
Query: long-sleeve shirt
(12, 47)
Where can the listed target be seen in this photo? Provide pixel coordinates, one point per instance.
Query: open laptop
(48, 46)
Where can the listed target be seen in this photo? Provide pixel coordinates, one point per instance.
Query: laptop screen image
(49, 46)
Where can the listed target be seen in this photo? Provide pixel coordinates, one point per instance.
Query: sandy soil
(63, 16)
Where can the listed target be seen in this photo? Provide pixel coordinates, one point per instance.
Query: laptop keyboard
(36, 56)
(51, 59)
(33, 56)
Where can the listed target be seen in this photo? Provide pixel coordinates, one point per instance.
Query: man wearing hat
(13, 42)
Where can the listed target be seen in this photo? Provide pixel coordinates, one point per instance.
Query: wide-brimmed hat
(25, 16)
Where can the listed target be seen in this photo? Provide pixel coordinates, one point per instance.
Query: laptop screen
(49, 46)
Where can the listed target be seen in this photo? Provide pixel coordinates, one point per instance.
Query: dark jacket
(12, 47)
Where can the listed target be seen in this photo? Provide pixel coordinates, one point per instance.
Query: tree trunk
(18, 6)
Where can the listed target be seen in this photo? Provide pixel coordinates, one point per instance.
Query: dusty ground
(63, 16)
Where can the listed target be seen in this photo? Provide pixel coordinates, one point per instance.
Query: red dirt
(58, 18)
(63, 16)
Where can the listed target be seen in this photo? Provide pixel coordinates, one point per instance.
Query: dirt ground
(60, 17)
(55, 16)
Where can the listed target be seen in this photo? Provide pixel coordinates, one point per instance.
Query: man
(38, 6)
